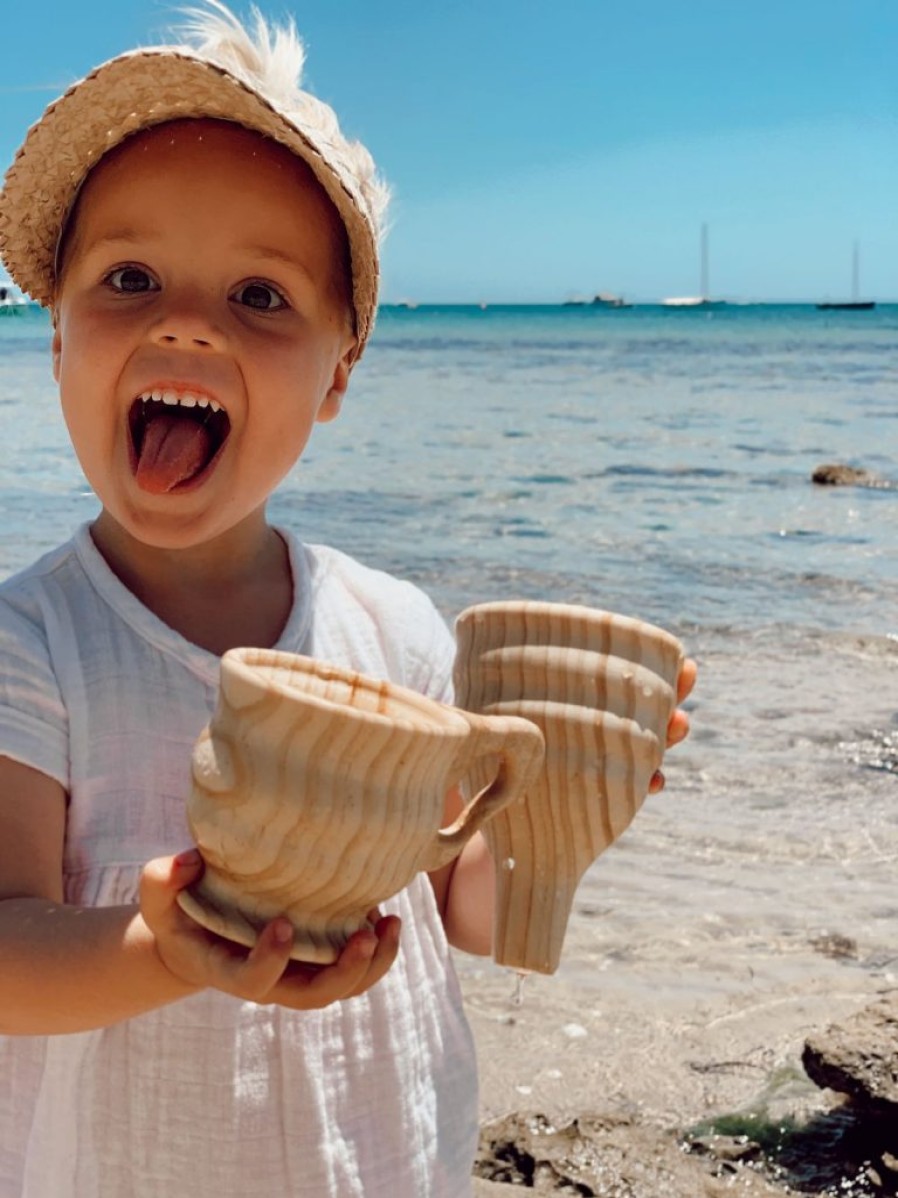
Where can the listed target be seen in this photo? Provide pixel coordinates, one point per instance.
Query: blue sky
(546, 149)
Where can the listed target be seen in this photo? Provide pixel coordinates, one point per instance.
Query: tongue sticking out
(173, 450)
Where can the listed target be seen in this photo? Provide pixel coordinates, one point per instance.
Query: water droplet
(519, 978)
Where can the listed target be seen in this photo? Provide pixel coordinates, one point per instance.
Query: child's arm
(62, 968)
(464, 888)
(67, 969)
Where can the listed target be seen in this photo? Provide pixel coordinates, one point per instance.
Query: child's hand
(678, 728)
(265, 973)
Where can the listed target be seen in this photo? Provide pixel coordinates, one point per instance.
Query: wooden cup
(318, 793)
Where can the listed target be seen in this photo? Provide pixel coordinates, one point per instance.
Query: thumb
(161, 880)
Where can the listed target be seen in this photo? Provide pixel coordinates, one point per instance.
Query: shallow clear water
(643, 459)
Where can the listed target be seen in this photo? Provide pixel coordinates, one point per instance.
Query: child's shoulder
(382, 622)
(333, 567)
(21, 590)
(32, 605)
(392, 603)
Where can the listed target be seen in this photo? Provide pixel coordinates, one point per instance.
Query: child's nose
(188, 324)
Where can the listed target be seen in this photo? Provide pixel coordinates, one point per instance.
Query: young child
(206, 240)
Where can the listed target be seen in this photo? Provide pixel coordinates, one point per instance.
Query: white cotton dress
(212, 1096)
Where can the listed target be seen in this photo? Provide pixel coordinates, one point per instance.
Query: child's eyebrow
(278, 257)
(264, 253)
(123, 236)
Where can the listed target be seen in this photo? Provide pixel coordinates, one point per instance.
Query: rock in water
(835, 475)
(859, 1057)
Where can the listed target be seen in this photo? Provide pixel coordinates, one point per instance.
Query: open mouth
(175, 438)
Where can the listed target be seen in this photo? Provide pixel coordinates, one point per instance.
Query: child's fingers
(678, 725)
(260, 974)
(160, 882)
(267, 975)
(253, 975)
(347, 975)
(364, 960)
(387, 930)
(686, 680)
(678, 728)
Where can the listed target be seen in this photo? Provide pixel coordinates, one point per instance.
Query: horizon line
(644, 302)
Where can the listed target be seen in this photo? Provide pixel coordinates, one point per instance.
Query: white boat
(693, 301)
(702, 300)
(12, 302)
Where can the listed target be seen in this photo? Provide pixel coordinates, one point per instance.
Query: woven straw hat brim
(136, 91)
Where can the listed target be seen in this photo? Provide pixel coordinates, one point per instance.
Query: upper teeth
(186, 400)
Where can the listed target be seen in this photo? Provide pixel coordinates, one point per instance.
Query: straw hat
(222, 73)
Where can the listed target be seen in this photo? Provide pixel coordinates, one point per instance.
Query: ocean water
(653, 462)
(646, 459)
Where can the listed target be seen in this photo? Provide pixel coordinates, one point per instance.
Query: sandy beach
(659, 1066)
(708, 943)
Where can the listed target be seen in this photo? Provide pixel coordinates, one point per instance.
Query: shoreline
(566, 1051)
(651, 1070)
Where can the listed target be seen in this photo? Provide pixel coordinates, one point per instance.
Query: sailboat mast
(855, 272)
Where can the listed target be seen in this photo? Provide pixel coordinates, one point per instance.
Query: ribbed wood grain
(601, 688)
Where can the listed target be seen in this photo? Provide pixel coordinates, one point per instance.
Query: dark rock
(612, 1155)
(834, 474)
(725, 1148)
(831, 1152)
(859, 1057)
(832, 944)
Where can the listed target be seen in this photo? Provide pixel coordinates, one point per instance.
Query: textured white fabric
(211, 1096)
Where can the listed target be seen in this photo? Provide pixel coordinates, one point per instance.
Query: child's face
(204, 264)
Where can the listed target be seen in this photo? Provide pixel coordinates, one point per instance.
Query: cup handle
(520, 746)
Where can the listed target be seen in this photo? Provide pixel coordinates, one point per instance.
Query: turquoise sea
(651, 461)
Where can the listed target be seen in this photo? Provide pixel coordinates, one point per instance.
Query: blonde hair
(271, 61)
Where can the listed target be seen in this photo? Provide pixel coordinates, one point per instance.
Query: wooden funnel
(602, 689)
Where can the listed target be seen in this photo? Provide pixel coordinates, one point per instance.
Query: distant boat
(606, 300)
(857, 305)
(854, 304)
(12, 302)
(701, 300)
(693, 301)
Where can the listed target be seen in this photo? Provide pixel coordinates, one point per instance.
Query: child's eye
(131, 279)
(261, 296)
